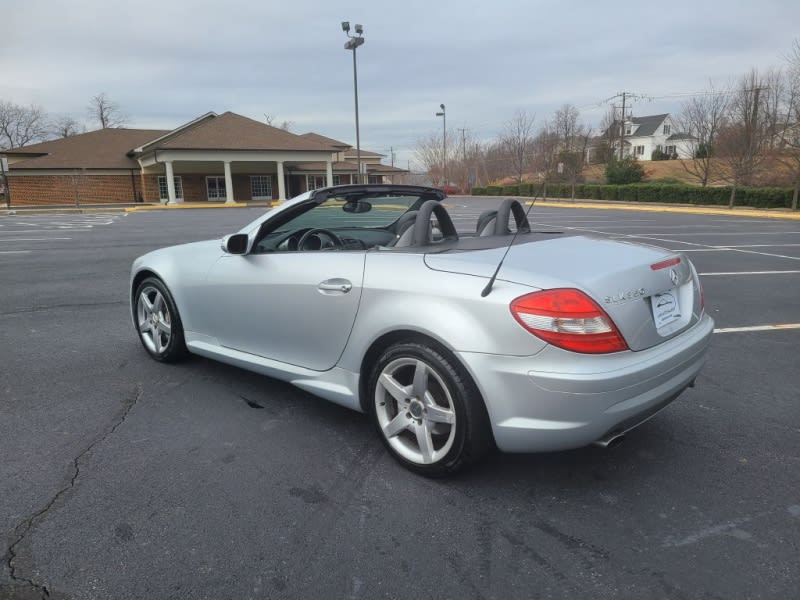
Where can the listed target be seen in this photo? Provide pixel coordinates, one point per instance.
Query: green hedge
(650, 192)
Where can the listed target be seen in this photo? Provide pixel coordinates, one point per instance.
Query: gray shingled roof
(681, 136)
(101, 149)
(647, 125)
(334, 144)
(230, 131)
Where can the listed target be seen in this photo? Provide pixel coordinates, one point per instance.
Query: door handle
(335, 286)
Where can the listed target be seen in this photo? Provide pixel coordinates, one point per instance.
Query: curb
(738, 211)
(194, 205)
(128, 208)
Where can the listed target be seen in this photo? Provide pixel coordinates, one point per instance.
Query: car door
(293, 307)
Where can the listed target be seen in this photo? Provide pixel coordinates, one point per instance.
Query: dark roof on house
(334, 144)
(230, 131)
(364, 154)
(647, 125)
(345, 167)
(681, 136)
(101, 149)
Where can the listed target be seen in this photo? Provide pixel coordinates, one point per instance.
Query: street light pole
(443, 114)
(354, 42)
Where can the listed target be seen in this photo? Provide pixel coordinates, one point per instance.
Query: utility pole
(622, 129)
(625, 97)
(463, 131)
(391, 153)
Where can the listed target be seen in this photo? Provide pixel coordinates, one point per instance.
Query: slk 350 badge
(625, 296)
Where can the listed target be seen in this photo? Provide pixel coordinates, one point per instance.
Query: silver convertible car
(367, 296)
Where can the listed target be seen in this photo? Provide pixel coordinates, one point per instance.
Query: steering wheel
(315, 239)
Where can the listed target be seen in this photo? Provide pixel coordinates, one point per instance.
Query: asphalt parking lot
(125, 478)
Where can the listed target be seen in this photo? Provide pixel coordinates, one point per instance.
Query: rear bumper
(557, 400)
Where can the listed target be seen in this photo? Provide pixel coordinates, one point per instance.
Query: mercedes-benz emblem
(673, 275)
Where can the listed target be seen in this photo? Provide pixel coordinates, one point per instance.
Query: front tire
(158, 322)
(427, 410)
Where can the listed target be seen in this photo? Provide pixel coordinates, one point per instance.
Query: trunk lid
(650, 293)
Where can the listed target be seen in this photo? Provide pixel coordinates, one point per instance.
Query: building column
(171, 199)
(329, 165)
(281, 183)
(228, 183)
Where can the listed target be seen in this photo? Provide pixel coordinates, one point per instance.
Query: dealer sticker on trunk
(666, 308)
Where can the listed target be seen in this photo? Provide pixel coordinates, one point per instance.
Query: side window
(163, 192)
(261, 187)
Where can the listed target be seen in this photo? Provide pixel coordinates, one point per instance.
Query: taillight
(569, 319)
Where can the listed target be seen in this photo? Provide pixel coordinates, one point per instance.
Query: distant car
(450, 189)
(346, 293)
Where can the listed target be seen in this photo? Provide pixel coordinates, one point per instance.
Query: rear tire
(158, 322)
(428, 411)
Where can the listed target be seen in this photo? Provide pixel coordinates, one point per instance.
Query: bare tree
(65, 126)
(604, 147)
(495, 163)
(464, 158)
(285, 125)
(517, 141)
(545, 148)
(565, 125)
(789, 140)
(21, 125)
(429, 153)
(742, 140)
(702, 118)
(106, 112)
(573, 141)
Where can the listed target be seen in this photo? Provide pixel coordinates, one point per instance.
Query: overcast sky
(166, 62)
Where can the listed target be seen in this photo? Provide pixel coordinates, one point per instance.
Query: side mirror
(235, 243)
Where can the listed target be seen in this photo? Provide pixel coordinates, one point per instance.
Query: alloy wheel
(415, 410)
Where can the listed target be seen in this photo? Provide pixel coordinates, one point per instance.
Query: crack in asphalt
(23, 528)
(32, 309)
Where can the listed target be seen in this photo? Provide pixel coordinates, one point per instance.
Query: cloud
(168, 62)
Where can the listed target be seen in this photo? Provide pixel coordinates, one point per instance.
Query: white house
(645, 135)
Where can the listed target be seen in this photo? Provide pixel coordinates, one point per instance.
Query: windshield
(358, 221)
(335, 213)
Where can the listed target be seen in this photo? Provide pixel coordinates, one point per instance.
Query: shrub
(511, 190)
(627, 170)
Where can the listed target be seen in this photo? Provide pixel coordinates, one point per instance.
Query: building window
(314, 182)
(627, 130)
(667, 129)
(375, 179)
(261, 187)
(670, 150)
(638, 150)
(163, 192)
(337, 180)
(216, 188)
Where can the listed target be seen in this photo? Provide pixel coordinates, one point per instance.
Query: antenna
(487, 290)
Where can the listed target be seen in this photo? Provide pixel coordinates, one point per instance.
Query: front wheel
(158, 322)
(427, 410)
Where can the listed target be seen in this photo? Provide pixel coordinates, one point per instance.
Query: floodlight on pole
(444, 142)
(354, 42)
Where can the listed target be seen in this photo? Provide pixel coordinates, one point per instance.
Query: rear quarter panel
(401, 293)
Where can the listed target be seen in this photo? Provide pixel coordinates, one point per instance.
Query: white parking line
(15, 251)
(32, 239)
(16, 231)
(750, 273)
(757, 328)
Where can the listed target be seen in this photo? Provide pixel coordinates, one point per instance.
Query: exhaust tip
(611, 440)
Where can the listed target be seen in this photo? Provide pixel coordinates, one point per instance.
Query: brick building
(214, 158)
